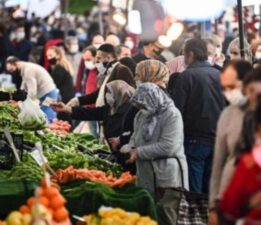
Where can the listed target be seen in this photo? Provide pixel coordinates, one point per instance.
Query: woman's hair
(61, 59)
(254, 46)
(253, 76)
(241, 66)
(236, 44)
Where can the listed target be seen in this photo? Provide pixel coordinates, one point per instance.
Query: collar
(199, 64)
(110, 64)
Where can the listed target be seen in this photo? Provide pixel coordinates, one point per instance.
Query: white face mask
(211, 60)
(97, 46)
(74, 49)
(129, 44)
(258, 55)
(89, 65)
(100, 67)
(234, 97)
(20, 35)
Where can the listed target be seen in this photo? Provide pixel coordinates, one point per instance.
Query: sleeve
(169, 143)
(90, 98)
(30, 86)
(126, 75)
(234, 201)
(219, 160)
(88, 114)
(180, 92)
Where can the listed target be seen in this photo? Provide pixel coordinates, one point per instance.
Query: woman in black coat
(117, 117)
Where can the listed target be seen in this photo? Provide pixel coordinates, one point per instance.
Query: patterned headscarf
(152, 71)
(118, 93)
(153, 101)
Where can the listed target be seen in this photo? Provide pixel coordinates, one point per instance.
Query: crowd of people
(202, 107)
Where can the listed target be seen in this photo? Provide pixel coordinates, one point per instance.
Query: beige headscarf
(152, 71)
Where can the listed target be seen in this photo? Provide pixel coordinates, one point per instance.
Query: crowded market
(130, 112)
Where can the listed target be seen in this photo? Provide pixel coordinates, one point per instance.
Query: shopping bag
(31, 116)
(181, 207)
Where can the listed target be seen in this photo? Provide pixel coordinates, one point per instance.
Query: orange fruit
(60, 215)
(57, 202)
(30, 202)
(51, 192)
(24, 209)
(44, 201)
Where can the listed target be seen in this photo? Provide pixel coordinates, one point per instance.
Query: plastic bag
(31, 116)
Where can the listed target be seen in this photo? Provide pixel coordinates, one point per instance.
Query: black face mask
(105, 64)
(52, 61)
(157, 52)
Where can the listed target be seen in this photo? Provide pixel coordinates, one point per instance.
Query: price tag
(41, 160)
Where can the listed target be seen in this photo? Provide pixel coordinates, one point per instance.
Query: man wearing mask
(122, 51)
(109, 69)
(36, 81)
(151, 50)
(73, 55)
(20, 47)
(198, 95)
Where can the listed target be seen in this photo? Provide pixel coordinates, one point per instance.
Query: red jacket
(245, 183)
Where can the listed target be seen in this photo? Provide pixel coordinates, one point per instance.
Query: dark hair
(147, 42)
(107, 48)
(12, 60)
(91, 49)
(241, 66)
(119, 47)
(253, 76)
(198, 47)
(130, 63)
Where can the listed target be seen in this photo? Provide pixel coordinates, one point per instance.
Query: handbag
(181, 207)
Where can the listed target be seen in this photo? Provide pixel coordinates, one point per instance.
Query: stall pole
(241, 27)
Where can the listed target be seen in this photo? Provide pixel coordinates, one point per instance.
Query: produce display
(71, 174)
(59, 127)
(116, 216)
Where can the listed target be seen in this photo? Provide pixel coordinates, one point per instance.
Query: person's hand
(73, 102)
(213, 218)
(19, 95)
(114, 142)
(133, 156)
(61, 107)
(255, 200)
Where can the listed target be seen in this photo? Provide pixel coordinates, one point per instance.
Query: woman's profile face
(50, 54)
(235, 53)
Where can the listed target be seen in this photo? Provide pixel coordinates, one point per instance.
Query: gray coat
(167, 141)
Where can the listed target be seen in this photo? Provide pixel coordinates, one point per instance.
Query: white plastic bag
(31, 115)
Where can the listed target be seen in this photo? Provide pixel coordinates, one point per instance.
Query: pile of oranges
(51, 199)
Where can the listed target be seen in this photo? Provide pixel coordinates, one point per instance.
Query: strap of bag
(180, 168)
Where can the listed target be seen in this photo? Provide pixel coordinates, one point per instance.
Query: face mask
(89, 65)
(74, 49)
(258, 55)
(96, 46)
(129, 44)
(235, 97)
(52, 61)
(211, 60)
(100, 67)
(109, 99)
(20, 36)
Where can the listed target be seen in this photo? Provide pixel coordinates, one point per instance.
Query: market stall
(82, 168)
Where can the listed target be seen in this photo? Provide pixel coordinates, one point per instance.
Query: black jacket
(120, 72)
(64, 82)
(139, 57)
(198, 95)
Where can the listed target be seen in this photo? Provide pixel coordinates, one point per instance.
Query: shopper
(238, 201)
(122, 51)
(113, 40)
(130, 63)
(109, 70)
(158, 136)
(150, 50)
(73, 55)
(198, 95)
(61, 72)
(228, 131)
(234, 50)
(117, 116)
(152, 71)
(97, 41)
(36, 81)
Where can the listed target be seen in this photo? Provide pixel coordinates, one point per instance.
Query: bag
(181, 207)
(31, 116)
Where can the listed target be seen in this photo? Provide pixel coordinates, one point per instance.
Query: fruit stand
(79, 166)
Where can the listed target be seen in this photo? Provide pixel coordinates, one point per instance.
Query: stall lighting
(175, 31)
(134, 22)
(164, 41)
(119, 18)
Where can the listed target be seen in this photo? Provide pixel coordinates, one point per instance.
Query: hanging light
(164, 41)
(119, 18)
(134, 22)
(175, 31)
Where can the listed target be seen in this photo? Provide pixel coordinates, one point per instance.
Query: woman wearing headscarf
(152, 71)
(156, 140)
(117, 116)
